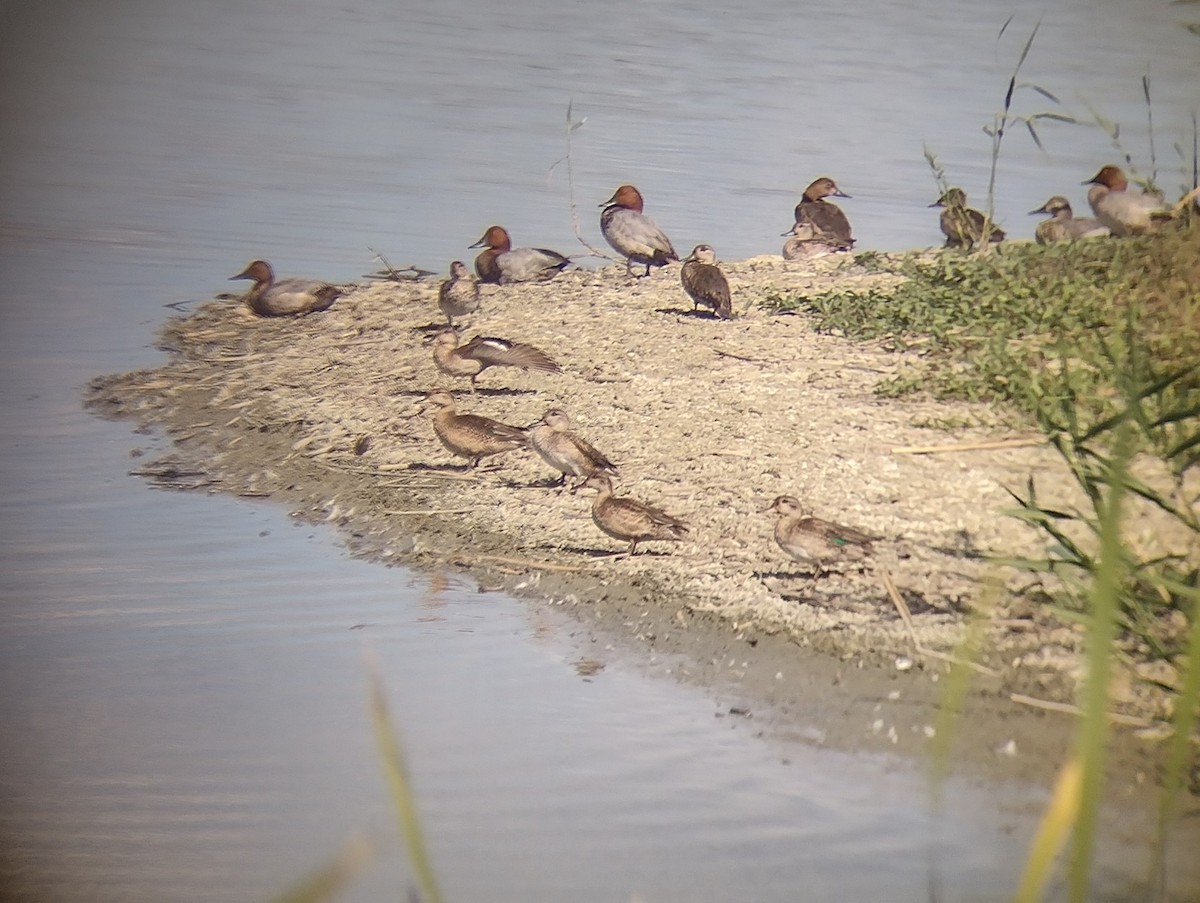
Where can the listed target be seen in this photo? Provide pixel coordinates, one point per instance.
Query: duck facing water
(269, 297)
(629, 520)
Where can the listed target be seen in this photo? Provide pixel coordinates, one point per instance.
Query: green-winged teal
(471, 435)
(633, 234)
(458, 295)
(501, 262)
(285, 297)
(827, 219)
(811, 540)
(704, 282)
(481, 352)
(963, 225)
(1063, 225)
(629, 520)
(804, 243)
(551, 437)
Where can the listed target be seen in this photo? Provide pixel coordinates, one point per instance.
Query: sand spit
(707, 419)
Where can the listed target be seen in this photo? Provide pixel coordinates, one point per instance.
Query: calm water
(182, 686)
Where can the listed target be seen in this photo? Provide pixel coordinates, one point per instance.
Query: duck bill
(611, 200)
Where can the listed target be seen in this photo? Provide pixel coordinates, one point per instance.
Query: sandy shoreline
(707, 419)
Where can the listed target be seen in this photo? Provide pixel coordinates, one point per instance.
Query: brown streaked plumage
(629, 520)
(804, 243)
(269, 297)
(811, 540)
(1063, 225)
(827, 219)
(963, 225)
(704, 282)
(631, 233)
(552, 439)
(471, 435)
(482, 352)
(458, 295)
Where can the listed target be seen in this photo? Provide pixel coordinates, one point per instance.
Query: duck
(471, 436)
(482, 352)
(500, 262)
(811, 540)
(805, 243)
(827, 219)
(632, 234)
(552, 438)
(629, 520)
(458, 295)
(285, 297)
(962, 225)
(1062, 225)
(1124, 212)
(704, 282)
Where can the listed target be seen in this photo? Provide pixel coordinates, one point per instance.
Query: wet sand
(707, 419)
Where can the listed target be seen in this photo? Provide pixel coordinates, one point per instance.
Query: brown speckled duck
(629, 520)
(805, 243)
(470, 435)
(458, 295)
(811, 540)
(482, 352)
(704, 282)
(1063, 225)
(285, 297)
(552, 439)
(501, 262)
(827, 219)
(962, 225)
(633, 234)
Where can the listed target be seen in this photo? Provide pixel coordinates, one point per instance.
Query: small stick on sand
(906, 617)
(527, 563)
(969, 446)
(1067, 708)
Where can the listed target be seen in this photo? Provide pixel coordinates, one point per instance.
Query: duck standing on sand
(632, 234)
(286, 297)
(482, 352)
(1062, 225)
(704, 282)
(1124, 212)
(962, 225)
(811, 540)
(552, 439)
(458, 295)
(501, 262)
(470, 435)
(804, 243)
(827, 220)
(629, 520)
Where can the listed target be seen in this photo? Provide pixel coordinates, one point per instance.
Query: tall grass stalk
(392, 756)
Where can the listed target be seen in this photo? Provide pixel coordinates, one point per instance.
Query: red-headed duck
(704, 282)
(962, 225)
(631, 233)
(1062, 225)
(552, 438)
(471, 435)
(629, 520)
(827, 219)
(1124, 212)
(482, 352)
(458, 295)
(501, 262)
(805, 243)
(285, 297)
